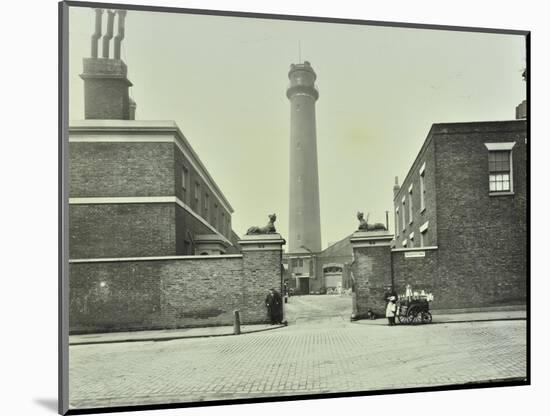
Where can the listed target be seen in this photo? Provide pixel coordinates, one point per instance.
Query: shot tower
(305, 219)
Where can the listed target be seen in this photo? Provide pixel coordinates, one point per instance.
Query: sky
(223, 81)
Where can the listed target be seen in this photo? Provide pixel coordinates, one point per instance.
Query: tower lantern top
(302, 80)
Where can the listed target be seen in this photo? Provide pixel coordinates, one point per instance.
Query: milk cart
(414, 307)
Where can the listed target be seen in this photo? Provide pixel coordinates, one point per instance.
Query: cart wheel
(403, 319)
(426, 317)
(414, 316)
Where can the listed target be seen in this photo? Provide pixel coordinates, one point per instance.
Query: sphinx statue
(268, 229)
(365, 226)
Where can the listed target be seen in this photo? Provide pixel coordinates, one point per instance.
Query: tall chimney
(106, 84)
(305, 215)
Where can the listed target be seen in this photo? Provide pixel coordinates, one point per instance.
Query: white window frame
(198, 198)
(206, 206)
(411, 238)
(423, 230)
(503, 147)
(404, 220)
(410, 204)
(396, 225)
(422, 173)
(215, 219)
(184, 180)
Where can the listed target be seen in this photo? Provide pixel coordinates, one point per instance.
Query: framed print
(266, 207)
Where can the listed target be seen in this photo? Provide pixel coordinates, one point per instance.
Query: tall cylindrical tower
(305, 218)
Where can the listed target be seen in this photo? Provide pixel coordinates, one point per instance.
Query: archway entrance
(333, 277)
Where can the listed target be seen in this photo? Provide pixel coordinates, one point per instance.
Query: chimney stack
(133, 105)
(106, 84)
(396, 188)
(521, 109)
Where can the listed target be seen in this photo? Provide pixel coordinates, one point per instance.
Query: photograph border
(63, 206)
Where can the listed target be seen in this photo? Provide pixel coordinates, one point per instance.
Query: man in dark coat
(273, 302)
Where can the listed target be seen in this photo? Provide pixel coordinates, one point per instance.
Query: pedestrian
(278, 303)
(390, 291)
(390, 311)
(274, 306)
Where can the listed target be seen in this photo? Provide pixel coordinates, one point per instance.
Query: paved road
(318, 308)
(311, 355)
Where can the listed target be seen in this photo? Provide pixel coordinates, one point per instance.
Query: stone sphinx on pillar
(262, 249)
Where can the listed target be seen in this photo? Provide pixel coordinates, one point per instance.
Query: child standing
(390, 311)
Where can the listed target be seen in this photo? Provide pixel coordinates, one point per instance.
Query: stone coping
(155, 258)
(370, 235)
(211, 238)
(427, 248)
(273, 238)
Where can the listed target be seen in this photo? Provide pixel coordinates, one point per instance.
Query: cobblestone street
(320, 351)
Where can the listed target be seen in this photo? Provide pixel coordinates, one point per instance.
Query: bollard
(236, 323)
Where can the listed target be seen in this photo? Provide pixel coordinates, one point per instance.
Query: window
(411, 239)
(396, 225)
(197, 196)
(215, 216)
(422, 187)
(501, 178)
(206, 206)
(222, 224)
(423, 232)
(499, 171)
(404, 222)
(410, 204)
(184, 175)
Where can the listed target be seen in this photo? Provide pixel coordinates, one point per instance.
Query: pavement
(300, 309)
(320, 351)
(165, 334)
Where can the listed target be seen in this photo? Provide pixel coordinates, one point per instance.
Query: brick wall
(121, 169)
(136, 169)
(187, 196)
(174, 293)
(372, 274)
(422, 274)
(482, 239)
(426, 156)
(121, 230)
(261, 271)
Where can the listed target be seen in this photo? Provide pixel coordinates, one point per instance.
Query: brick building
(315, 273)
(460, 216)
(150, 239)
(136, 188)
